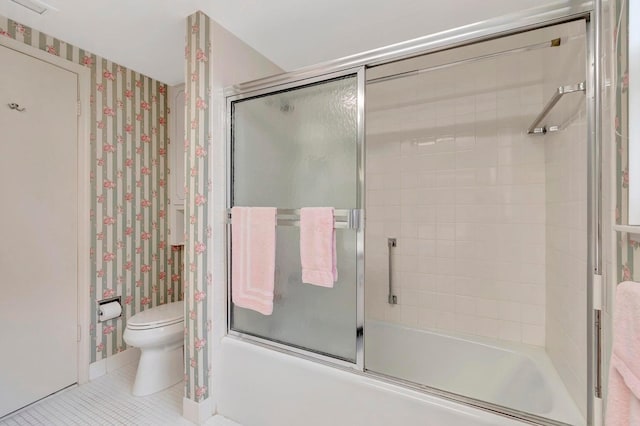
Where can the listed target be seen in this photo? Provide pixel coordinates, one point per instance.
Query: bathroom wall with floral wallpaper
(130, 254)
(214, 59)
(198, 279)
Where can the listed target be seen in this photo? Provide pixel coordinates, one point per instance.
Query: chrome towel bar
(344, 218)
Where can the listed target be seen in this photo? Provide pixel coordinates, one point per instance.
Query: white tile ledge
(630, 229)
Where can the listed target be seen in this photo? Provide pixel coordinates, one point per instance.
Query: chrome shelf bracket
(534, 128)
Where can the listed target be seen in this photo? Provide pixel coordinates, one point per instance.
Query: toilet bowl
(159, 334)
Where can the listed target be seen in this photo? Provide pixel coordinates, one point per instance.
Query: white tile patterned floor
(108, 401)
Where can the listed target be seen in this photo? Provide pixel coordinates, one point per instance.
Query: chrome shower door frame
(558, 13)
(232, 95)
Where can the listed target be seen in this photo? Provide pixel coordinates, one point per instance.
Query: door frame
(83, 187)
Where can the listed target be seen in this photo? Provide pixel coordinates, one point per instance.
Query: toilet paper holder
(109, 300)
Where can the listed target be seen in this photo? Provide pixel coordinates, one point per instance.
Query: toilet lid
(160, 316)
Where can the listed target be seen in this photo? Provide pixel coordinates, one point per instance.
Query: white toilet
(159, 333)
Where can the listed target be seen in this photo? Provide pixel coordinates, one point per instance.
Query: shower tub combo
(452, 304)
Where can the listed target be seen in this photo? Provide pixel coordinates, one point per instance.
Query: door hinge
(79, 337)
(597, 291)
(79, 107)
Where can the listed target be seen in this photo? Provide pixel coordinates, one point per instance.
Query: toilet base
(158, 369)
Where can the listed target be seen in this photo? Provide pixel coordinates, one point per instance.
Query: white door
(38, 229)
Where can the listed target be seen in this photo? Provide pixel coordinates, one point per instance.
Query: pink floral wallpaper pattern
(130, 255)
(198, 278)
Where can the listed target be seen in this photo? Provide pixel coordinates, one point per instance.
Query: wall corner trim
(197, 412)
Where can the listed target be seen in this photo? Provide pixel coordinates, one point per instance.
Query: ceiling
(147, 35)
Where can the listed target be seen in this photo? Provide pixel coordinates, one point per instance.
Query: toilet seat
(153, 325)
(160, 316)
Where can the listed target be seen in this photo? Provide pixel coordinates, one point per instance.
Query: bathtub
(258, 386)
(518, 376)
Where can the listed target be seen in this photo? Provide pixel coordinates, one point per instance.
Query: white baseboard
(113, 362)
(197, 412)
(97, 369)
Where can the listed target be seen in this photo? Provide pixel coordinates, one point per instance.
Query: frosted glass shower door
(299, 148)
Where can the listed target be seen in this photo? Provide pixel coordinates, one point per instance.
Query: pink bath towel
(623, 399)
(318, 246)
(253, 257)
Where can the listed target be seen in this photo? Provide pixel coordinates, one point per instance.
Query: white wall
(452, 175)
(234, 62)
(566, 225)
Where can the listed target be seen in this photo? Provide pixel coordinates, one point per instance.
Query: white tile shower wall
(452, 176)
(566, 226)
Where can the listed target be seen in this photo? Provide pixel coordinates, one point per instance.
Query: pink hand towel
(318, 246)
(623, 399)
(253, 261)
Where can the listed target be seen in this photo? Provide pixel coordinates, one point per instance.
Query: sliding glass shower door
(476, 256)
(293, 148)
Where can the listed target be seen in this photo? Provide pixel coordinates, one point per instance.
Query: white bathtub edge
(266, 387)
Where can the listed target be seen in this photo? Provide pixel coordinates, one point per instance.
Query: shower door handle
(393, 300)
